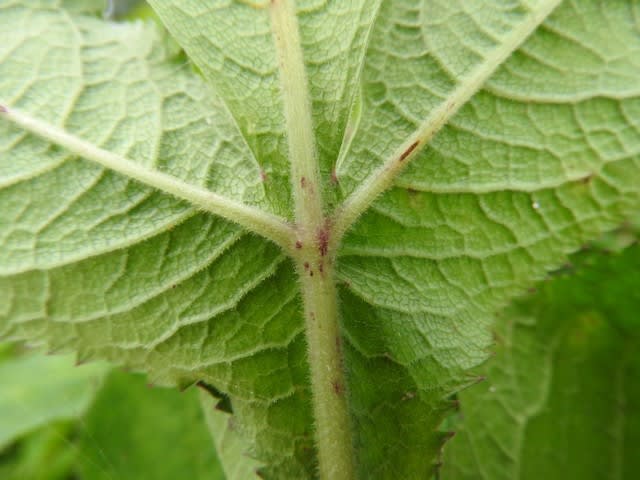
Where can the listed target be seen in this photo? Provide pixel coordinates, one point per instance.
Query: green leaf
(563, 385)
(38, 389)
(47, 453)
(74, 423)
(133, 431)
(132, 183)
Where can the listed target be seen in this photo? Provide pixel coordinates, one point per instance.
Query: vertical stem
(305, 175)
(311, 251)
(328, 382)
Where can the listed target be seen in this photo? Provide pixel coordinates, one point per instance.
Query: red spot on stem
(408, 151)
(298, 244)
(338, 389)
(303, 182)
(323, 239)
(3, 109)
(263, 175)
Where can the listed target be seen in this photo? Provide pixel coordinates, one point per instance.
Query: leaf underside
(543, 157)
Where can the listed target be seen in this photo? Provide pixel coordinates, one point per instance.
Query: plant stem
(305, 175)
(328, 382)
(311, 251)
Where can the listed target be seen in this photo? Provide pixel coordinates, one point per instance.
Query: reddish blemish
(306, 265)
(338, 389)
(323, 240)
(334, 177)
(408, 151)
(303, 182)
(298, 244)
(263, 175)
(3, 109)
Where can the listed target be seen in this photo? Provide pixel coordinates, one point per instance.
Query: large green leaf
(135, 432)
(47, 453)
(112, 245)
(64, 420)
(562, 397)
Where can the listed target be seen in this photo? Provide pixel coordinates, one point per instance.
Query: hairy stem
(305, 175)
(311, 252)
(268, 225)
(328, 383)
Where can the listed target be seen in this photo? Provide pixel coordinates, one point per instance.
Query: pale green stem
(305, 175)
(328, 383)
(268, 225)
(313, 259)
